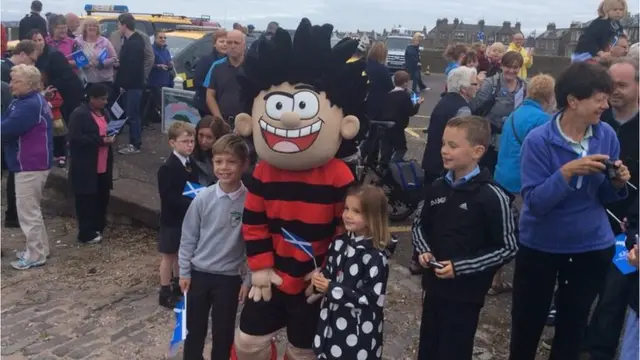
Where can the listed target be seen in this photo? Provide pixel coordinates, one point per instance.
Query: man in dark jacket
(26, 52)
(31, 21)
(131, 78)
(608, 318)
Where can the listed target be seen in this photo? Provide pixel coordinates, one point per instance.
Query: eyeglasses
(474, 84)
(161, 38)
(186, 142)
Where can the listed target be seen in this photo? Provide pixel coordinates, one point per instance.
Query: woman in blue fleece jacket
(564, 231)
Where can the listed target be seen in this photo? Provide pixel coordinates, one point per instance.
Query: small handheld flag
(192, 189)
(620, 256)
(102, 56)
(300, 244)
(180, 329)
(114, 127)
(80, 58)
(415, 98)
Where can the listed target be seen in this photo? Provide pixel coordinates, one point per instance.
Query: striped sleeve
(417, 233)
(255, 228)
(501, 232)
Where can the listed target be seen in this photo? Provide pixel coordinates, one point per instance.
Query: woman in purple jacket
(570, 171)
(28, 149)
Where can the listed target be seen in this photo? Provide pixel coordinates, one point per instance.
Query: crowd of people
(540, 170)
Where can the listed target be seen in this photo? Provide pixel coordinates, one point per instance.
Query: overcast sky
(351, 14)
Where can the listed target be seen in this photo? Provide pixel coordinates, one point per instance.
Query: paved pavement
(99, 302)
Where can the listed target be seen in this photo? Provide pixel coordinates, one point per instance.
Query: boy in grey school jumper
(212, 253)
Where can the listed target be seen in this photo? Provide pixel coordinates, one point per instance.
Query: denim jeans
(132, 98)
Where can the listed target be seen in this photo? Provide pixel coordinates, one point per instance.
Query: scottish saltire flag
(80, 58)
(192, 189)
(414, 98)
(620, 257)
(180, 329)
(102, 56)
(300, 244)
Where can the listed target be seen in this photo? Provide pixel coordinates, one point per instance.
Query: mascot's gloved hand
(261, 282)
(311, 293)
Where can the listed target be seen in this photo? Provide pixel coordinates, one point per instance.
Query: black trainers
(175, 288)
(167, 299)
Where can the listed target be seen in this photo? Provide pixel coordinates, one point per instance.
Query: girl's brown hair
(455, 51)
(374, 207)
(378, 52)
(218, 127)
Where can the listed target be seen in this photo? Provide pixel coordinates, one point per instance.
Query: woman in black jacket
(91, 167)
(60, 74)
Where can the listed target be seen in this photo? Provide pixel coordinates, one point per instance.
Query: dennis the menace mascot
(301, 95)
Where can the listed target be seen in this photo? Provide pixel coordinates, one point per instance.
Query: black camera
(611, 169)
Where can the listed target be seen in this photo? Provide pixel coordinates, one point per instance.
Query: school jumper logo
(236, 218)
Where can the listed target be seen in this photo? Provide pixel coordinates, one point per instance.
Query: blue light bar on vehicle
(89, 8)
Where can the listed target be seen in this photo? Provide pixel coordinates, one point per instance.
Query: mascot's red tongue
(289, 145)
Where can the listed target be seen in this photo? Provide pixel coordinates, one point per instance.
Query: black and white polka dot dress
(351, 316)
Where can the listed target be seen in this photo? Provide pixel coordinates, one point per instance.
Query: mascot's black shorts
(283, 310)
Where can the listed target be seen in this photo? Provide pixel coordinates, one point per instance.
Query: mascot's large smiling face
(299, 103)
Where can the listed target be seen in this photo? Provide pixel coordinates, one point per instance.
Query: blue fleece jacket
(27, 135)
(525, 118)
(558, 217)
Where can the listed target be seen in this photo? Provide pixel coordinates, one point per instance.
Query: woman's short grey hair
(634, 52)
(55, 20)
(29, 73)
(460, 77)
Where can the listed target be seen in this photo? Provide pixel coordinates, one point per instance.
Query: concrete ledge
(131, 199)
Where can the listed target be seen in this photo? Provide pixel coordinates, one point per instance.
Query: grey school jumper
(211, 239)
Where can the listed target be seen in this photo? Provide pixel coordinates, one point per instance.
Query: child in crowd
(398, 108)
(629, 347)
(602, 33)
(208, 130)
(470, 59)
(212, 253)
(59, 127)
(354, 281)
(173, 175)
(463, 233)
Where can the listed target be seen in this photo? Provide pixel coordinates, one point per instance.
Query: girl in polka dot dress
(354, 281)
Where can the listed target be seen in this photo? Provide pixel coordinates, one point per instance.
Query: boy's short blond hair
(607, 5)
(231, 144)
(179, 128)
(477, 128)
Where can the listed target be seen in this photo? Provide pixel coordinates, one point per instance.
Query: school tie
(187, 165)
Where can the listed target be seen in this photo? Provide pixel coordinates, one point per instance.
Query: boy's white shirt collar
(182, 159)
(398, 88)
(232, 195)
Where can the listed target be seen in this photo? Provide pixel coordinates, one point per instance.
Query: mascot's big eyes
(306, 104)
(277, 105)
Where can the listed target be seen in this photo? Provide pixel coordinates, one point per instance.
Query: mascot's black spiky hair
(308, 59)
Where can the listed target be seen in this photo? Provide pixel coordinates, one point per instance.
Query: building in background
(445, 33)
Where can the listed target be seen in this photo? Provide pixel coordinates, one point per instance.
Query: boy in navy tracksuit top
(564, 227)
(466, 227)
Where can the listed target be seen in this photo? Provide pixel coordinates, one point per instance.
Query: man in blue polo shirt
(223, 92)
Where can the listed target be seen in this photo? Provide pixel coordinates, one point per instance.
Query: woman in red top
(59, 128)
(90, 170)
